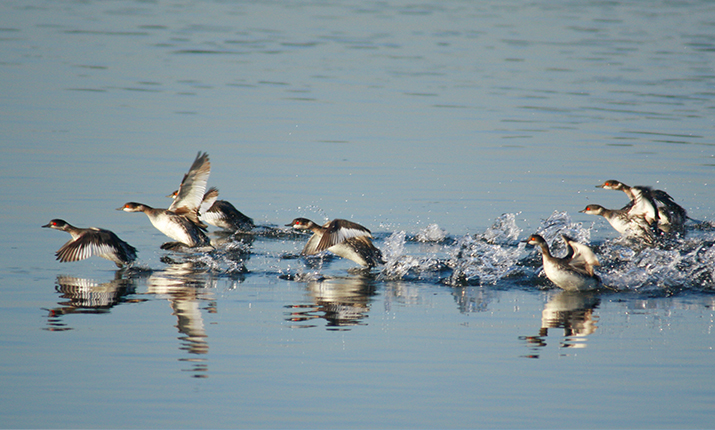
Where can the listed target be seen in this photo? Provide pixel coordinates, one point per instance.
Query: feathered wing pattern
(368, 251)
(643, 204)
(224, 215)
(653, 205)
(582, 258)
(191, 191)
(338, 231)
(311, 247)
(341, 237)
(97, 242)
(209, 199)
(638, 226)
(670, 212)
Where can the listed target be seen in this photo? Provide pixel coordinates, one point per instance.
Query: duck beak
(46, 226)
(289, 225)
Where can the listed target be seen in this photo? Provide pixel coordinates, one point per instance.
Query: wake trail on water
(495, 257)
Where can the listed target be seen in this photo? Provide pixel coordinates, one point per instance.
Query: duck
(177, 227)
(220, 213)
(623, 222)
(341, 237)
(181, 220)
(87, 242)
(575, 271)
(656, 205)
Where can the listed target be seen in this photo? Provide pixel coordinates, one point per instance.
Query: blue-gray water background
(428, 118)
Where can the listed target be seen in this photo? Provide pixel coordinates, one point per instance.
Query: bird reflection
(472, 299)
(187, 289)
(87, 296)
(236, 245)
(343, 302)
(573, 312)
(229, 256)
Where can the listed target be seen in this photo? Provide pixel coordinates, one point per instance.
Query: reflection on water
(343, 302)
(464, 111)
(189, 291)
(472, 299)
(187, 286)
(88, 296)
(571, 311)
(229, 256)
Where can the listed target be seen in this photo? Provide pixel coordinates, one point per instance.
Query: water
(452, 130)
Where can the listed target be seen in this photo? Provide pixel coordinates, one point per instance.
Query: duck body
(222, 214)
(87, 242)
(657, 206)
(575, 271)
(341, 237)
(623, 222)
(177, 227)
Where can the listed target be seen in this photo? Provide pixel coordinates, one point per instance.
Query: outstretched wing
(192, 188)
(95, 242)
(338, 231)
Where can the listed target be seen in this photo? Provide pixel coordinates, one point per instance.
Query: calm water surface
(451, 129)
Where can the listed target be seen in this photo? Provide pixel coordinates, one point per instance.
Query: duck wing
(643, 204)
(97, 242)
(192, 188)
(338, 231)
(581, 256)
(209, 199)
(311, 247)
(675, 213)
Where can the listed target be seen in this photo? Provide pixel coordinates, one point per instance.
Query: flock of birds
(650, 216)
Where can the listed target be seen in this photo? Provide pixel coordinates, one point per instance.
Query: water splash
(484, 258)
(402, 266)
(685, 264)
(503, 231)
(629, 265)
(431, 233)
(487, 258)
(496, 256)
(560, 223)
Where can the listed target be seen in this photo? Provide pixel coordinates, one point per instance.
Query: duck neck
(73, 231)
(545, 251)
(317, 229)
